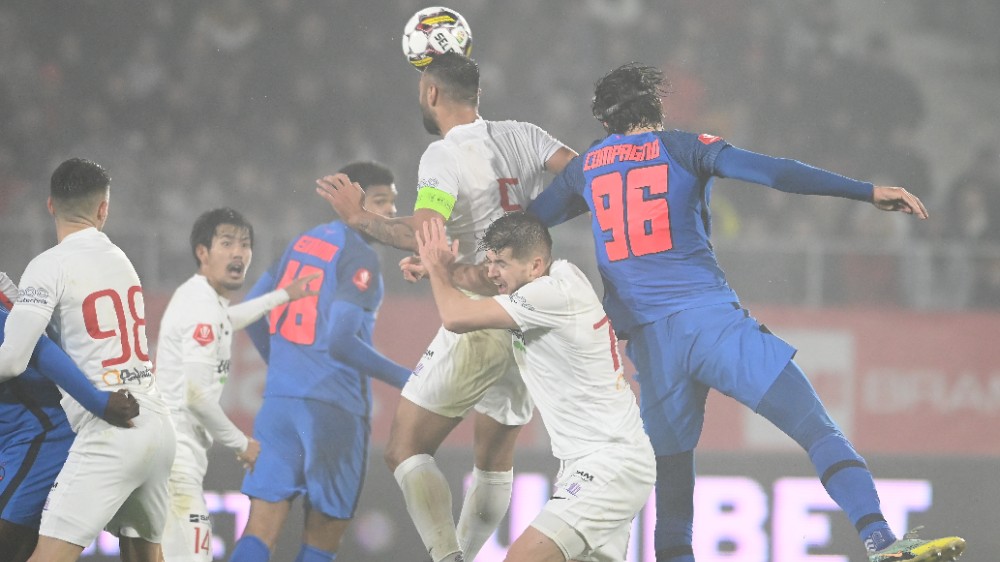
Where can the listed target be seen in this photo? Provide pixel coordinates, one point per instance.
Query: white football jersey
(568, 355)
(488, 168)
(90, 291)
(195, 329)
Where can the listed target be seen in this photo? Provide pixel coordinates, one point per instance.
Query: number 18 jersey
(649, 198)
(299, 362)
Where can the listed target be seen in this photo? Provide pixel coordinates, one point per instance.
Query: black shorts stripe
(29, 461)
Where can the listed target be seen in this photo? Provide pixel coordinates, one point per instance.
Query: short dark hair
(76, 180)
(458, 75)
(368, 174)
(629, 97)
(204, 227)
(519, 231)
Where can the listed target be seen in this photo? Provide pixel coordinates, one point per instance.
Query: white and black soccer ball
(435, 30)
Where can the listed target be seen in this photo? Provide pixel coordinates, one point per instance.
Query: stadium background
(193, 105)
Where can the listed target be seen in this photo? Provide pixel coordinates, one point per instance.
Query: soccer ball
(433, 31)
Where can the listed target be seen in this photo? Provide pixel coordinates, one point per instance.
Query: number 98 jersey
(91, 292)
(299, 362)
(648, 195)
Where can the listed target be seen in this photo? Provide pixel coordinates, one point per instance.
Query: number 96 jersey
(91, 292)
(649, 198)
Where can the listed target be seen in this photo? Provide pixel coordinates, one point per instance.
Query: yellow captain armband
(436, 200)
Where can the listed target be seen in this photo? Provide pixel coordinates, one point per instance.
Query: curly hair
(629, 97)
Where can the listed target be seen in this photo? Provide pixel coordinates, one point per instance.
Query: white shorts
(188, 534)
(589, 516)
(115, 479)
(475, 369)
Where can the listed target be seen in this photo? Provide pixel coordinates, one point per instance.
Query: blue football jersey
(29, 403)
(649, 198)
(299, 362)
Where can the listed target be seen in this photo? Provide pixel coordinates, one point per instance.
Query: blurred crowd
(193, 105)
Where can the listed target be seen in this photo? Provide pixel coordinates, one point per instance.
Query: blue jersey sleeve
(359, 276)
(346, 347)
(53, 363)
(788, 175)
(259, 331)
(562, 200)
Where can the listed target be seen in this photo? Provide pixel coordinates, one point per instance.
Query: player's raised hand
(898, 199)
(346, 197)
(121, 408)
(302, 287)
(249, 456)
(413, 269)
(433, 246)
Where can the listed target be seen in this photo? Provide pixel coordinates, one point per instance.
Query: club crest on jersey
(708, 139)
(362, 279)
(203, 334)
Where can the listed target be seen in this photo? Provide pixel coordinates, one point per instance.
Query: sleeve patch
(708, 139)
(362, 279)
(203, 334)
(33, 295)
(436, 200)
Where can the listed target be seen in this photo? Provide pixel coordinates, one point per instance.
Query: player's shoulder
(193, 299)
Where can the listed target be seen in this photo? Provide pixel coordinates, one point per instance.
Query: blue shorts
(28, 467)
(680, 357)
(312, 448)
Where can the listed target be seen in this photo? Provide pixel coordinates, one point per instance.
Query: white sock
(428, 500)
(485, 504)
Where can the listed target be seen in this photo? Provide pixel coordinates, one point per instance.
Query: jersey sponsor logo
(197, 518)
(115, 377)
(520, 301)
(33, 295)
(574, 488)
(708, 139)
(622, 153)
(223, 367)
(203, 334)
(362, 279)
(316, 247)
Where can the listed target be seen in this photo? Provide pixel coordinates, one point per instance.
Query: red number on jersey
(614, 341)
(202, 543)
(299, 324)
(638, 221)
(120, 329)
(505, 184)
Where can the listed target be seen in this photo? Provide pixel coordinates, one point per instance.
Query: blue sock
(674, 507)
(312, 554)
(792, 405)
(250, 549)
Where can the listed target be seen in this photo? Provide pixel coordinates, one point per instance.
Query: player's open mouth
(235, 268)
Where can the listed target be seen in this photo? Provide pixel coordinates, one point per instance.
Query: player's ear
(50, 206)
(201, 252)
(102, 211)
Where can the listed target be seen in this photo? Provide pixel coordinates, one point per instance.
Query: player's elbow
(458, 325)
(11, 367)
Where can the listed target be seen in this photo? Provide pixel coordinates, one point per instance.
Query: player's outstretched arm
(253, 309)
(53, 363)
(898, 199)
(346, 198)
(22, 330)
(458, 312)
(345, 346)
